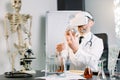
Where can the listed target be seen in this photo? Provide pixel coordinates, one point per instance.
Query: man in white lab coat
(86, 52)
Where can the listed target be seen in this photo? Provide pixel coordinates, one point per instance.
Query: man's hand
(72, 41)
(60, 47)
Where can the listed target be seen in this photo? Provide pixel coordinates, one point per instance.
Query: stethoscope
(90, 41)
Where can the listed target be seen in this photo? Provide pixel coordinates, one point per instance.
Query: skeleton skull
(16, 4)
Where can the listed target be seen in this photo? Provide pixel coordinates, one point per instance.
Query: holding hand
(60, 47)
(72, 41)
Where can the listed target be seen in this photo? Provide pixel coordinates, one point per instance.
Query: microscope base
(29, 71)
(17, 75)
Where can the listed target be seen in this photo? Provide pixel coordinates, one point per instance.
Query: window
(117, 17)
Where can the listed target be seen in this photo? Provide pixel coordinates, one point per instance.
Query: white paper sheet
(68, 76)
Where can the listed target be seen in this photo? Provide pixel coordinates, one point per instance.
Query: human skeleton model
(18, 33)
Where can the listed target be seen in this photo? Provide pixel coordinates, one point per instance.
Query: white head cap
(81, 18)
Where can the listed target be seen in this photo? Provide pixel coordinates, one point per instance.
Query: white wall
(36, 8)
(103, 12)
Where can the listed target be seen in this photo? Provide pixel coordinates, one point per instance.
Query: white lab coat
(86, 54)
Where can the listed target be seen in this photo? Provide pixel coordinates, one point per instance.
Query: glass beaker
(53, 67)
(50, 65)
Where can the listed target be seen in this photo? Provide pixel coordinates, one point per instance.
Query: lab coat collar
(86, 35)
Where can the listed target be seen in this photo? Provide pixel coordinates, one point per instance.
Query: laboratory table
(38, 74)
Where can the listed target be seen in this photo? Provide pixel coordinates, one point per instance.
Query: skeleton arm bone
(6, 33)
(30, 30)
(6, 27)
(30, 26)
(27, 28)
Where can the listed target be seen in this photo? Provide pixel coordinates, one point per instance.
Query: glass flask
(88, 73)
(117, 70)
(101, 74)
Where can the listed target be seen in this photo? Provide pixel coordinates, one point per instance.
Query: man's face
(16, 4)
(83, 29)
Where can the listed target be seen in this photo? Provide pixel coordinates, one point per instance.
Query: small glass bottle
(61, 65)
